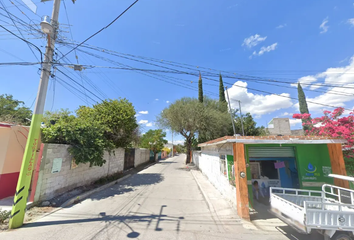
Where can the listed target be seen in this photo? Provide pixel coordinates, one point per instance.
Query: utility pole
(29, 156)
(172, 142)
(233, 124)
(232, 119)
(243, 131)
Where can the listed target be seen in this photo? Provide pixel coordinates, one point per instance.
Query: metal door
(129, 157)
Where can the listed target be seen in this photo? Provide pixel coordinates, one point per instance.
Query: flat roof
(273, 140)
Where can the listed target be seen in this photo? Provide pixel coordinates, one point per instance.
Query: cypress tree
(221, 91)
(302, 104)
(200, 87)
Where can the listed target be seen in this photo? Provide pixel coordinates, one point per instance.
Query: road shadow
(112, 221)
(128, 185)
(264, 219)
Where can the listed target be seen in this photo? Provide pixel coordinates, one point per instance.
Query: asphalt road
(164, 201)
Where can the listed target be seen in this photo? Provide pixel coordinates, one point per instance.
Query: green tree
(189, 118)
(200, 89)
(249, 125)
(118, 118)
(106, 126)
(303, 105)
(221, 90)
(153, 140)
(222, 99)
(12, 110)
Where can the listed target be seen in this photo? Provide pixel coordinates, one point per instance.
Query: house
(233, 164)
(281, 126)
(13, 140)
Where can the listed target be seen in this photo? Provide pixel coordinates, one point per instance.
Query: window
(223, 165)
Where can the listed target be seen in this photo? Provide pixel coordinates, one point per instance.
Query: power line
(101, 29)
(24, 41)
(79, 84)
(217, 80)
(19, 30)
(68, 85)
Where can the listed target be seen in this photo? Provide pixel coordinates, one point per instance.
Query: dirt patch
(30, 216)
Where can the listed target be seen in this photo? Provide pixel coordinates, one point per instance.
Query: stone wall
(142, 155)
(70, 175)
(209, 163)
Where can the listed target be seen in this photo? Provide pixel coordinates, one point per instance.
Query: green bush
(4, 214)
(106, 126)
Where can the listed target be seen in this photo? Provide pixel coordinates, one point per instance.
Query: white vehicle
(330, 211)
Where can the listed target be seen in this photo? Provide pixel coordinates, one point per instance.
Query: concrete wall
(141, 156)
(279, 126)
(51, 184)
(297, 132)
(208, 162)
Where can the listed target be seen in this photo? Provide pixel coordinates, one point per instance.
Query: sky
(290, 41)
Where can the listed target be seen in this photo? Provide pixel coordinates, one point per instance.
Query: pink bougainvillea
(333, 124)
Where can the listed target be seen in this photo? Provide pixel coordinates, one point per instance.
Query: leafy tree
(106, 126)
(12, 110)
(189, 118)
(303, 105)
(332, 124)
(222, 100)
(153, 140)
(200, 89)
(221, 90)
(249, 125)
(118, 118)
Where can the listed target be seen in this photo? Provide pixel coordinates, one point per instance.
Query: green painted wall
(316, 154)
(314, 164)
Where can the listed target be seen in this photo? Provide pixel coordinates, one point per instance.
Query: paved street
(164, 201)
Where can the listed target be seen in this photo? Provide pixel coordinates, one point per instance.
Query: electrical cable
(19, 30)
(101, 29)
(79, 84)
(24, 41)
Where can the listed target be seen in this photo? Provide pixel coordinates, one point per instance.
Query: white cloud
(256, 104)
(351, 21)
(295, 122)
(323, 26)
(149, 124)
(137, 115)
(156, 99)
(340, 76)
(281, 26)
(286, 114)
(144, 112)
(143, 121)
(253, 41)
(167, 101)
(307, 80)
(265, 49)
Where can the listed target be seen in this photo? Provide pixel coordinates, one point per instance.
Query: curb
(246, 224)
(87, 194)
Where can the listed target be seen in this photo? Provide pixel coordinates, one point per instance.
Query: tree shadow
(128, 185)
(115, 221)
(263, 213)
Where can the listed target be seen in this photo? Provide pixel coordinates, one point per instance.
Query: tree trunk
(189, 148)
(155, 153)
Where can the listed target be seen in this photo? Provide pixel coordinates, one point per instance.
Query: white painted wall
(142, 155)
(51, 184)
(209, 163)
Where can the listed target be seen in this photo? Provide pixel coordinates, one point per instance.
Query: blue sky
(306, 41)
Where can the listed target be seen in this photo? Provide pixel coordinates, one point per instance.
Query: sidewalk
(263, 224)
